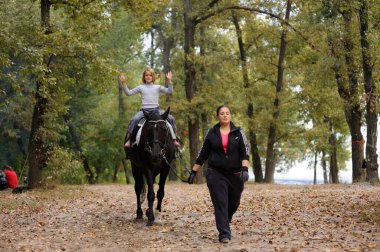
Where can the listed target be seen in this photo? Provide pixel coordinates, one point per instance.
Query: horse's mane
(153, 116)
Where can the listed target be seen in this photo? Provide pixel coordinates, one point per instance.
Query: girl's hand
(122, 79)
(169, 77)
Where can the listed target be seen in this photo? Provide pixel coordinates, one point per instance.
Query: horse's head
(156, 135)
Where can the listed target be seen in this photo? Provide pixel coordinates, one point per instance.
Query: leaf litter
(270, 218)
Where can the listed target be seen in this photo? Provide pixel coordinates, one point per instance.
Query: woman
(227, 150)
(150, 93)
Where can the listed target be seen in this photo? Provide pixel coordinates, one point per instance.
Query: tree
(270, 158)
(370, 90)
(256, 161)
(38, 150)
(62, 50)
(347, 76)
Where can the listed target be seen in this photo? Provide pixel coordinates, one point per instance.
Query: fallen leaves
(270, 218)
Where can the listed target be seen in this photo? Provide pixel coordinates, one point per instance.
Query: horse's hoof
(149, 223)
(158, 219)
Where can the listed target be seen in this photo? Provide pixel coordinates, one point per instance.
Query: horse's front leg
(161, 188)
(150, 196)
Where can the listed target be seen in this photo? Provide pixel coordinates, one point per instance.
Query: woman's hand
(192, 175)
(169, 77)
(244, 174)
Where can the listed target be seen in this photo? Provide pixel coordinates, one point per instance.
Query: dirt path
(271, 218)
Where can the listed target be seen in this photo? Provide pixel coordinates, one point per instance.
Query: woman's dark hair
(220, 107)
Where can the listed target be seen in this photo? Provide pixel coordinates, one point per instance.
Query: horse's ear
(146, 114)
(166, 114)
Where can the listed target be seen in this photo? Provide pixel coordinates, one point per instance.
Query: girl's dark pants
(225, 191)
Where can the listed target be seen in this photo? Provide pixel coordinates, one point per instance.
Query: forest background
(300, 77)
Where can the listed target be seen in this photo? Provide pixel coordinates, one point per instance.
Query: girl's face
(148, 77)
(224, 115)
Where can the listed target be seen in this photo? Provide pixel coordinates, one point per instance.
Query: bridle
(163, 146)
(155, 140)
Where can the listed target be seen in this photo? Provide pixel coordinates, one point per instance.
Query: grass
(36, 200)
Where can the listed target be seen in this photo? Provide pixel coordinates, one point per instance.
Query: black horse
(151, 157)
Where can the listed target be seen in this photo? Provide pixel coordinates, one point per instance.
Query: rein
(174, 170)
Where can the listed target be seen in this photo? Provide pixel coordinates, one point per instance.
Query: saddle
(136, 133)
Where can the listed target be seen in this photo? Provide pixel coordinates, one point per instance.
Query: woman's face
(224, 115)
(148, 77)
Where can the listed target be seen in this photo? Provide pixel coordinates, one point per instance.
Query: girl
(150, 93)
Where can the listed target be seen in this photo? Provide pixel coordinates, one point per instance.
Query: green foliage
(143, 10)
(90, 44)
(65, 167)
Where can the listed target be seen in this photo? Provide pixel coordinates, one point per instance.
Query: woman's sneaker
(225, 240)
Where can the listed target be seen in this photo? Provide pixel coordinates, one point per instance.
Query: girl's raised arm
(169, 77)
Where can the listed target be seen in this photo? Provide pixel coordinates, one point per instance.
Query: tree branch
(212, 3)
(217, 11)
(283, 21)
(52, 2)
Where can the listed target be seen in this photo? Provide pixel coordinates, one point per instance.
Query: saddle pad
(138, 135)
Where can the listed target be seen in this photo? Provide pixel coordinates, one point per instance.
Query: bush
(65, 167)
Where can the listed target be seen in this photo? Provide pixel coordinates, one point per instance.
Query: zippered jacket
(212, 150)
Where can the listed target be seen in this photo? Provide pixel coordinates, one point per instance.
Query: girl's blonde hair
(150, 70)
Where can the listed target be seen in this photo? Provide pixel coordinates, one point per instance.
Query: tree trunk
(333, 161)
(37, 148)
(204, 120)
(116, 171)
(370, 89)
(256, 161)
(333, 157)
(167, 43)
(127, 176)
(37, 151)
(78, 148)
(189, 69)
(121, 111)
(152, 52)
(315, 167)
(270, 158)
(121, 157)
(193, 126)
(350, 95)
(324, 167)
(166, 50)
(352, 111)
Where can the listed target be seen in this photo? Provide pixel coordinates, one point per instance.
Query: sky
(300, 171)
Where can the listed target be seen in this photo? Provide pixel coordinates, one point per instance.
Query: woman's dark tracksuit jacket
(223, 173)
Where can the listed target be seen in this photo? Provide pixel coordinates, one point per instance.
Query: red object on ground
(11, 178)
